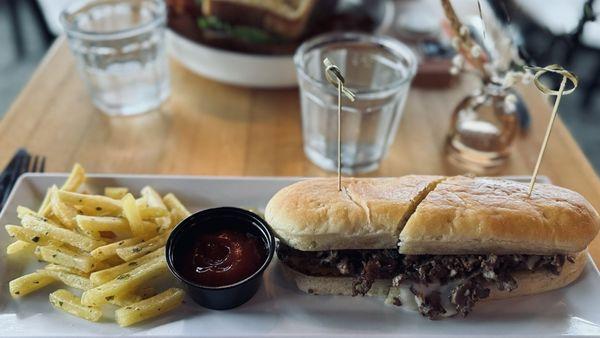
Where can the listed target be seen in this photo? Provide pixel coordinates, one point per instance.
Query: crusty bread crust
(460, 215)
(528, 283)
(534, 283)
(482, 215)
(312, 215)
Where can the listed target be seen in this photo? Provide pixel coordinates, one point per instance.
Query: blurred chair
(572, 26)
(16, 23)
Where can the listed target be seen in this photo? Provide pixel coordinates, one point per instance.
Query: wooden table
(208, 128)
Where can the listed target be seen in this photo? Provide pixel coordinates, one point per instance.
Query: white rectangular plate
(279, 309)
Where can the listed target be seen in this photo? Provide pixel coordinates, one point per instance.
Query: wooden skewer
(334, 76)
(339, 135)
(481, 17)
(566, 75)
(547, 136)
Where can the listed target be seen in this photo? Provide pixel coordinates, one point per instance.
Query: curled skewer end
(335, 77)
(556, 69)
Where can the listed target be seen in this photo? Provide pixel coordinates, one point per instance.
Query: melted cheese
(411, 302)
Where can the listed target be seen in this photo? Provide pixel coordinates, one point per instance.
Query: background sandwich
(271, 27)
(434, 244)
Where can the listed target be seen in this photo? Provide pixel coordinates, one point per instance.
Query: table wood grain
(208, 128)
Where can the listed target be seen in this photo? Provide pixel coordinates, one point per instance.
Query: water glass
(120, 51)
(379, 71)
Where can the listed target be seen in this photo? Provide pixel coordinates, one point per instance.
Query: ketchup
(221, 257)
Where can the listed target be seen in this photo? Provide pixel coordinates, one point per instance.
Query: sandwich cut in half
(429, 243)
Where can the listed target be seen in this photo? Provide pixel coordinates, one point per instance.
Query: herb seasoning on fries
(107, 249)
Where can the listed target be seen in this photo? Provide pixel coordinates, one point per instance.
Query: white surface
(562, 17)
(242, 69)
(52, 10)
(591, 31)
(558, 16)
(279, 309)
(261, 71)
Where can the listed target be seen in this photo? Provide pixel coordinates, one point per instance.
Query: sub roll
(436, 245)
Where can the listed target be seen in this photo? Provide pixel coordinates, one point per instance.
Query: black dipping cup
(227, 296)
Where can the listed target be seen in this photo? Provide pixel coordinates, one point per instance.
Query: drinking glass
(120, 51)
(379, 71)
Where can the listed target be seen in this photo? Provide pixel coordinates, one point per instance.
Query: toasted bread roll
(368, 213)
(482, 215)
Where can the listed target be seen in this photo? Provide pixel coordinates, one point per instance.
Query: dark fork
(15, 162)
(21, 163)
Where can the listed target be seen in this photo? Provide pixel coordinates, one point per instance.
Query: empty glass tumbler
(120, 51)
(379, 71)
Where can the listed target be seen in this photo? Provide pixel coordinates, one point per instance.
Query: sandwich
(255, 26)
(285, 19)
(269, 27)
(436, 245)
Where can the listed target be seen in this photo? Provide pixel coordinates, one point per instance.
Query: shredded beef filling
(363, 283)
(429, 305)
(476, 273)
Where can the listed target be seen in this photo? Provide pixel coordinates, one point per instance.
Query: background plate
(244, 69)
(248, 70)
(279, 309)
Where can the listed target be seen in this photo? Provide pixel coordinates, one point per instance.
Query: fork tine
(13, 161)
(20, 165)
(38, 168)
(10, 167)
(22, 168)
(10, 170)
(34, 165)
(25, 167)
(43, 164)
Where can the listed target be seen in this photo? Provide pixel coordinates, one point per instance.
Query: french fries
(45, 209)
(23, 211)
(110, 250)
(43, 228)
(95, 205)
(64, 300)
(115, 192)
(29, 236)
(66, 257)
(178, 211)
(149, 308)
(124, 299)
(62, 268)
(111, 247)
(69, 279)
(147, 292)
(29, 283)
(132, 213)
(105, 228)
(155, 201)
(143, 248)
(130, 298)
(65, 213)
(149, 212)
(106, 275)
(124, 282)
(75, 179)
(19, 246)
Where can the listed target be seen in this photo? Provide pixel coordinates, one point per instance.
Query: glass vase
(483, 128)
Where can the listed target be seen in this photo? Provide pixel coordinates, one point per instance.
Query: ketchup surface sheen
(222, 257)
